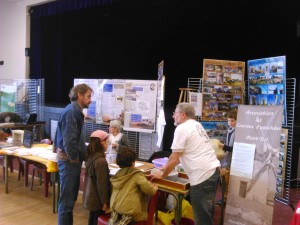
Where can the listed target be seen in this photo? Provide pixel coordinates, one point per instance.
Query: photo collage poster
(140, 105)
(222, 88)
(280, 176)
(267, 82)
(216, 130)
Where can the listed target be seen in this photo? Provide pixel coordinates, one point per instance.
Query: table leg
(26, 170)
(53, 180)
(178, 209)
(6, 173)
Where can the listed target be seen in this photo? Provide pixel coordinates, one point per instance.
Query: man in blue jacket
(69, 144)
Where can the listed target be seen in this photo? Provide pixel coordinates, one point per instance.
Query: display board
(222, 88)
(254, 164)
(216, 130)
(94, 84)
(135, 99)
(140, 105)
(7, 98)
(267, 82)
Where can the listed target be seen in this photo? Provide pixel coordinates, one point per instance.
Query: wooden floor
(24, 207)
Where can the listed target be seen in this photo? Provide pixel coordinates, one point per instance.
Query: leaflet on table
(140, 105)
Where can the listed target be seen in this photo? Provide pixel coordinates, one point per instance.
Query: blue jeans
(69, 187)
(202, 199)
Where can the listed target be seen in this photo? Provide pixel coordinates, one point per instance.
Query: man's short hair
(79, 89)
(125, 157)
(187, 108)
(232, 115)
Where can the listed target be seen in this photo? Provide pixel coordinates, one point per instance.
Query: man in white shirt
(191, 147)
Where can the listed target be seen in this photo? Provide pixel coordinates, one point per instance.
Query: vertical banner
(254, 165)
(222, 88)
(267, 82)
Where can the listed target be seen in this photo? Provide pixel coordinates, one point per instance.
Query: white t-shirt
(198, 158)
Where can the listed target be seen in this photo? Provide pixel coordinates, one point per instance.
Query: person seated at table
(97, 185)
(130, 190)
(116, 138)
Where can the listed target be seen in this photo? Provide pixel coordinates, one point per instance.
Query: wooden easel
(184, 94)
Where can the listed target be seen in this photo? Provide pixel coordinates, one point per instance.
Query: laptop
(30, 119)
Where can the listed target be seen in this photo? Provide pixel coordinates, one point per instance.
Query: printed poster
(140, 105)
(251, 201)
(90, 112)
(195, 98)
(222, 88)
(112, 99)
(267, 82)
(7, 98)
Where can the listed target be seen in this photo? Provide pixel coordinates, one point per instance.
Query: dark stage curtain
(50, 24)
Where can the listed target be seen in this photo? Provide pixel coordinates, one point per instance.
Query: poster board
(94, 84)
(7, 98)
(222, 88)
(216, 129)
(267, 78)
(251, 200)
(140, 105)
(195, 98)
(135, 99)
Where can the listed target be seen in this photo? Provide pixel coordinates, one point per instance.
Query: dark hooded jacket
(97, 185)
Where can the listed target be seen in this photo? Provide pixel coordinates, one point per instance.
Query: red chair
(103, 219)
(24, 169)
(41, 168)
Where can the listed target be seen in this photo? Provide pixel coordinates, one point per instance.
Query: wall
(14, 25)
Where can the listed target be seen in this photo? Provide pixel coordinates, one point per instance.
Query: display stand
(29, 96)
(196, 83)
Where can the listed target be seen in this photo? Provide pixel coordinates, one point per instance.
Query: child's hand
(156, 174)
(104, 207)
(221, 145)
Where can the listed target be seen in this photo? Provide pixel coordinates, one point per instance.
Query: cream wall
(14, 37)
